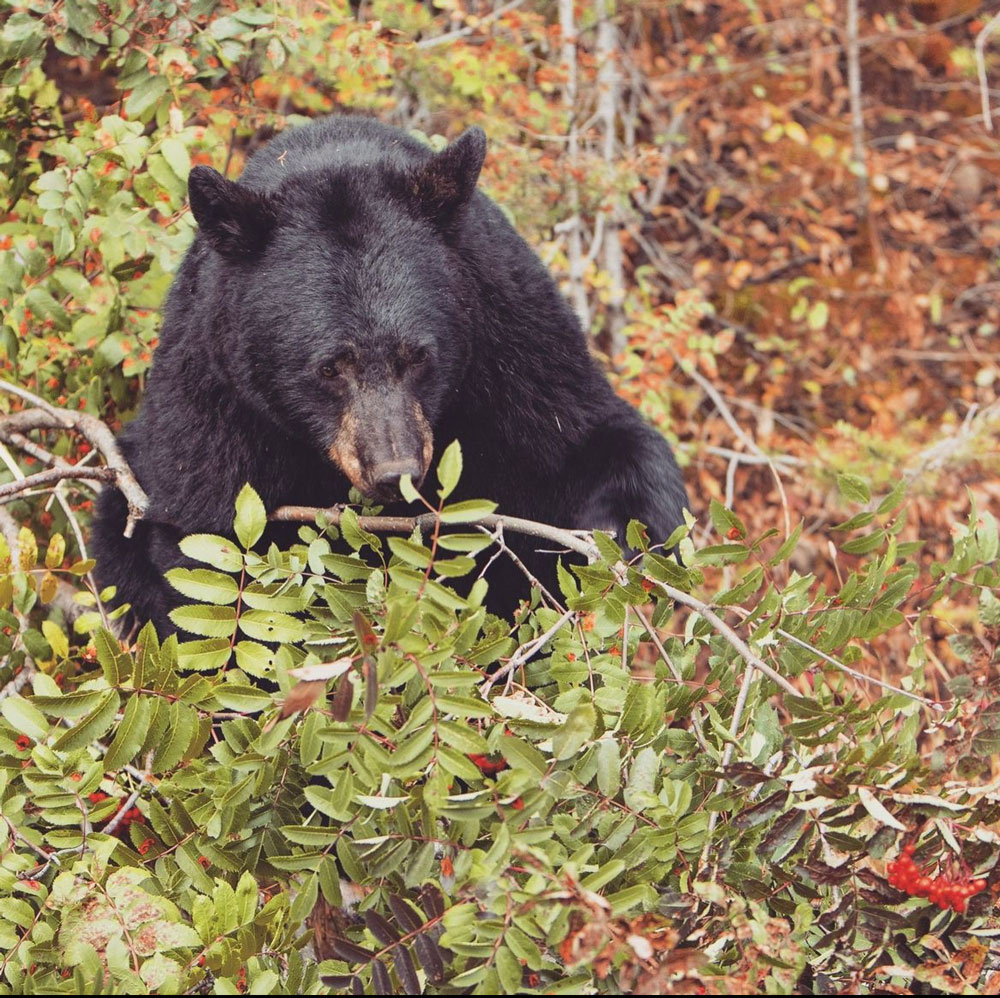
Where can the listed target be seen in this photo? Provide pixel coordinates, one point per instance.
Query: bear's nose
(386, 476)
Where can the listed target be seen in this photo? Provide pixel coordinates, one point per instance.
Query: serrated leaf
(577, 729)
(725, 520)
(609, 767)
(877, 810)
(115, 663)
(131, 733)
(467, 511)
(449, 469)
(25, 717)
(265, 625)
(207, 621)
(251, 517)
(854, 489)
(56, 551)
(219, 552)
(204, 585)
(91, 727)
(245, 699)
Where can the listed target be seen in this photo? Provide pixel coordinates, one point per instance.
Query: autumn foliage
(771, 769)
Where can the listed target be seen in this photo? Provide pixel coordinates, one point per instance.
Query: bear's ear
(447, 180)
(237, 221)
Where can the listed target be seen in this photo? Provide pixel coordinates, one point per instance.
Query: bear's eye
(336, 367)
(419, 356)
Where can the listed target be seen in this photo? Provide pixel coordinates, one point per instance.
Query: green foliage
(173, 812)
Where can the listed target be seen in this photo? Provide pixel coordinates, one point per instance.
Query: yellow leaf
(796, 133)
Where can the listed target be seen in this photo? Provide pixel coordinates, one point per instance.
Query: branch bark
(572, 225)
(984, 90)
(857, 118)
(99, 436)
(609, 96)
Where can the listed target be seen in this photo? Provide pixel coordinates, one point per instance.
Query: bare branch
(98, 434)
(574, 223)
(727, 414)
(857, 118)
(52, 475)
(984, 91)
(575, 540)
(522, 654)
(454, 36)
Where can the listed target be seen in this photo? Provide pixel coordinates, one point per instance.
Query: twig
(854, 672)
(52, 475)
(729, 634)
(503, 549)
(727, 414)
(727, 754)
(99, 435)
(576, 540)
(857, 118)
(110, 827)
(740, 458)
(984, 91)
(522, 654)
(609, 83)
(451, 36)
(696, 719)
(578, 292)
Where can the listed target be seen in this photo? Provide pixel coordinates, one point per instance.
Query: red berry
(909, 849)
(979, 884)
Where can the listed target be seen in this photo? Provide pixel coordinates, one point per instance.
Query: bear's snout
(380, 440)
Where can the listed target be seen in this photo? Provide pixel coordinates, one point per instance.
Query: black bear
(348, 308)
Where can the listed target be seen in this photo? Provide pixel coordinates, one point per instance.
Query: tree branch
(575, 540)
(984, 91)
(52, 475)
(97, 433)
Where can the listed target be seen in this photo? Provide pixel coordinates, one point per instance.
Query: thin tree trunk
(609, 94)
(572, 226)
(857, 120)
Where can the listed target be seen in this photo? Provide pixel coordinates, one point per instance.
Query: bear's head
(344, 314)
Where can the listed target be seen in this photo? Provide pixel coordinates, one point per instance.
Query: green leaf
(175, 153)
(204, 585)
(467, 511)
(115, 663)
(92, 727)
(208, 621)
(245, 699)
(182, 727)
(213, 550)
(25, 717)
(577, 729)
(854, 489)
(264, 625)
(206, 655)
(410, 552)
(787, 546)
(449, 469)
(609, 767)
(818, 316)
(407, 489)
(725, 521)
(131, 733)
(251, 517)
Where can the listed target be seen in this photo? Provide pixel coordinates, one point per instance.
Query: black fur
(352, 274)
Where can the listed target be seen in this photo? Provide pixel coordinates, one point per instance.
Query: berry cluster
(942, 890)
